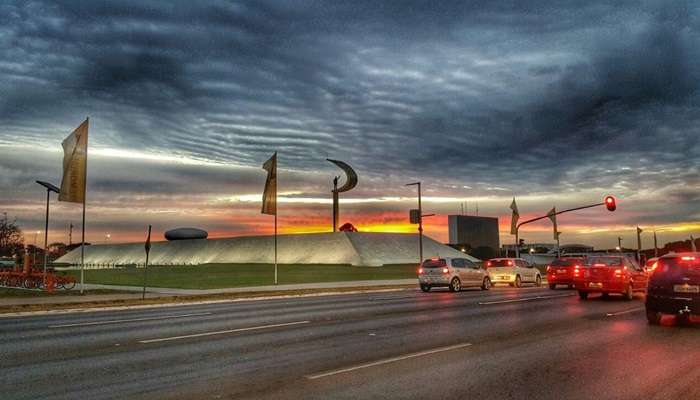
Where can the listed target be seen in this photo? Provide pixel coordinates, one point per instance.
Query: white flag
(552, 214)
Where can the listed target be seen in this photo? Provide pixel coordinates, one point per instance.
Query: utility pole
(619, 243)
(70, 234)
(419, 221)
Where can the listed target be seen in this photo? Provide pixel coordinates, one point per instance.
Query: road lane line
(631, 310)
(386, 361)
(118, 321)
(252, 328)
(483, 303)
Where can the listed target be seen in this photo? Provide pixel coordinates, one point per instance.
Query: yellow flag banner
(269, 200)
(75, 165)
(514, 218)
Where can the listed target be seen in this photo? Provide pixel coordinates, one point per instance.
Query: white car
(454, 273)
(513, 271)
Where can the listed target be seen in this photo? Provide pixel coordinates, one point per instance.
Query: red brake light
(618, 272)
(549, 268)
(510, 262)
(445, 270)
(653, 266)
(599, 265)
(420, 270)
(688, 258)
(488, 263)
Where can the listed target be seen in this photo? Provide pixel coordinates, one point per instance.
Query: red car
(561, 271)
(610, 274)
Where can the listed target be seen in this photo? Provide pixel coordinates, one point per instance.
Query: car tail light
(577, 271)
(549, 268)
(488, 263)
(445, 270)
(688, 258)
(510, 262)
(420, 270)
(618, 272)
(599, 265)
(653, 266)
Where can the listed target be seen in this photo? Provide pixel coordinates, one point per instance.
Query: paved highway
(529, 343)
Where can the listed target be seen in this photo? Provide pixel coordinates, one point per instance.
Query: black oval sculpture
(185, 234)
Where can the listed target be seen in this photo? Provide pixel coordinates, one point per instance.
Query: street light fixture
(49, 188)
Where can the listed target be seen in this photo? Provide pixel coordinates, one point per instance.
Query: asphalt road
(528, 343)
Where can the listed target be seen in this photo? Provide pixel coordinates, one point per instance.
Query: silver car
(455, 273)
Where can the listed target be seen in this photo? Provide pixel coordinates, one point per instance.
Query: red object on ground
(347, 227)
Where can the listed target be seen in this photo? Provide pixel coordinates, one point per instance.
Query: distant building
(476, 235)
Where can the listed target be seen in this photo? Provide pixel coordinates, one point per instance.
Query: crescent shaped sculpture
(350, 176)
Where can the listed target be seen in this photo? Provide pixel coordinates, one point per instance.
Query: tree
(11, 240)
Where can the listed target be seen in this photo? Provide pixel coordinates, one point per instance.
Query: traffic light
(610, 203)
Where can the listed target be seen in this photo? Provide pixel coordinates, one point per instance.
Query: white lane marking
(624, 312)
(118, 321)
(483, 303)
(387, 361)
(252, 328)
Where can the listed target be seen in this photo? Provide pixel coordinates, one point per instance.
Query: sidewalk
(155, 292)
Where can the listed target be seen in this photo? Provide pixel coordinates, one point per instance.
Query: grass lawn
(214, 276)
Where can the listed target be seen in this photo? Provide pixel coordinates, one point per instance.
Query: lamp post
(49, 188)
(420, 221)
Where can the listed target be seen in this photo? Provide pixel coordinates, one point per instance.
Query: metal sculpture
(350, 183)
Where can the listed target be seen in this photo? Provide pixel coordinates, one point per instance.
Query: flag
(269, 200)
(692, 244)
(514, 219)
(552, 214)
(148, 241)
(75, 165)
(639, 238)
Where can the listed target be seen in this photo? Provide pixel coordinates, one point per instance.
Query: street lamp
(49, 188)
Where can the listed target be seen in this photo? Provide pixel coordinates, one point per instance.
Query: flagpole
(275, 239)
(82, 243)
(145, 266)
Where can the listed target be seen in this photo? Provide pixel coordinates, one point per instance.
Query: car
(455, 273)
(561, 271)
(610, 274)
(674, 287)
(513, 271)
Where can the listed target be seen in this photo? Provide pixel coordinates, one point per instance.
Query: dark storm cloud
(559, 95)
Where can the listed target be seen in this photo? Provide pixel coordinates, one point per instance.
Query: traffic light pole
(517, 228)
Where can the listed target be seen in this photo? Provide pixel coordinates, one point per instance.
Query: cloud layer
(556, 102)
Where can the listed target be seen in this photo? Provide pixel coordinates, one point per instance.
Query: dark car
(674, 287)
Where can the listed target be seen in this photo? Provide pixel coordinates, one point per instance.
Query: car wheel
(518, 281)
(538, 281)
(486, 284)
(653, 317)
(552, 286)
(455, 285)
(425, 288)
(629, 294)
(583, 295)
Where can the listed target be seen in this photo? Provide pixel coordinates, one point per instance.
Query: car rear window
(605, 261)
(499, 263)
(435, 263)
(562, 262)
(691, 263)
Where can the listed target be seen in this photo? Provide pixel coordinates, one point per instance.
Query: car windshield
(605, 261)
(434, 263)
(499, 263)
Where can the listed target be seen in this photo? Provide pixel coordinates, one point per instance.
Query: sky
(555, 103)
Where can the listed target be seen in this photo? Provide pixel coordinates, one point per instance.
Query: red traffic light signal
(610, 203)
